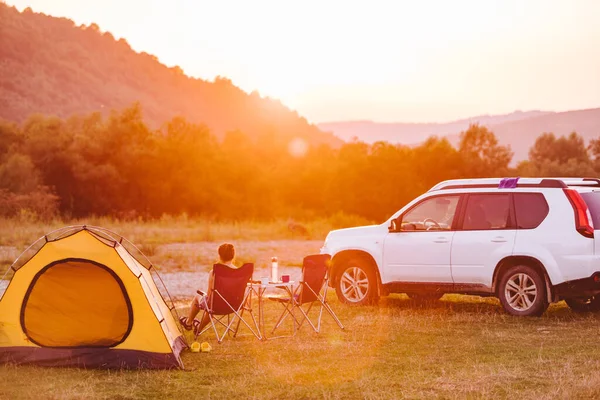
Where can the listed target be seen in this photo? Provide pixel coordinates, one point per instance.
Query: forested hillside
(51, 66)
(119, 166)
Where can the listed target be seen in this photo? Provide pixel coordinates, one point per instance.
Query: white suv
(527, 241)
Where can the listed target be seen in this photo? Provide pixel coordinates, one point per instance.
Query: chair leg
(282, 317)
(230, 323)
(254, 321)
(323, 306)
(320, 317)
(333, 315)
(307, 319)
(212, 324)
(240, 319)
(237, 327)
(288, 310)
(237, 317)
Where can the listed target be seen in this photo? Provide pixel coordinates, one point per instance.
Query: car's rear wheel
(522, 291)
(356, 283)
(591, 304)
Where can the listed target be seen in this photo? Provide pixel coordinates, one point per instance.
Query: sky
(386, 61)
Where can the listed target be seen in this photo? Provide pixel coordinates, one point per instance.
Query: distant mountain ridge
(51, 66)
(518, 129)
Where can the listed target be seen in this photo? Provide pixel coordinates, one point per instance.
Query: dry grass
(7, 255)
(460, 347)
(181, 243)
(22, 232)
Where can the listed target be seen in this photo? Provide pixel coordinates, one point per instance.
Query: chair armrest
(200, 292)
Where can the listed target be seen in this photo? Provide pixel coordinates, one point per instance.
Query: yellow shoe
(195, 347)
(205, 346)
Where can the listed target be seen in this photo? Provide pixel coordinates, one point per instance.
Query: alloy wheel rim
(520, 292)
(354, 284)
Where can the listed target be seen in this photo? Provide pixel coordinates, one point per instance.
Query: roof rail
(583, 182)
(480, 183)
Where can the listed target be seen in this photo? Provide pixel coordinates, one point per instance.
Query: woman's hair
(226, 252)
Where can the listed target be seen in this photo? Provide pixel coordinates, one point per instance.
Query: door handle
(440, 240)
(499, 239)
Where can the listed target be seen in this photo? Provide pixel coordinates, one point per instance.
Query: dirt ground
(184, 267)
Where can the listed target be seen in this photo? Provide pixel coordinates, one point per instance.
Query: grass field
(459, 347)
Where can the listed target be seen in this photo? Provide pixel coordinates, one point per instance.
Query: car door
(419, 249)
(485, 234)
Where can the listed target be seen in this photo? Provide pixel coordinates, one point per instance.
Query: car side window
(436, 213)
(531, 209)
(487, 211)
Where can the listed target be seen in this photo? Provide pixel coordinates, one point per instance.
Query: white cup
(264, 280)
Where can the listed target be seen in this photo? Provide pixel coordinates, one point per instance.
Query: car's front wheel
(356, 283)
(522, 291)
(591, 304)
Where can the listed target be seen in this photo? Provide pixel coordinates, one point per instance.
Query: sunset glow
(381, 60)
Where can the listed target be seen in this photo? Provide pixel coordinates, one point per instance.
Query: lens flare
(298, 147)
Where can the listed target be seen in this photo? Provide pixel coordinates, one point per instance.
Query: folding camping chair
(311, 289)
(226, 303)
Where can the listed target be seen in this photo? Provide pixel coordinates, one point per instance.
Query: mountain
(522, 134)
(409, 133)
(518, 129)
(51, 66)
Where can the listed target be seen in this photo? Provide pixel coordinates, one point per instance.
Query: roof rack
(582, 182)
(480, 183)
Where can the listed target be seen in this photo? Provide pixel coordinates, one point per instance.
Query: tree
(562, 149)
(19, 175)
(47, 142)
(188, 172)
(481, 153)
(594, 149)
(9, 138)
(563, 156)
(434, 161)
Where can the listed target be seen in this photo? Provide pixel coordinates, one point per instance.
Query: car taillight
(583, 218)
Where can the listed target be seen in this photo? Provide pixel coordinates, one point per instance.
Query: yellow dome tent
(84, 296)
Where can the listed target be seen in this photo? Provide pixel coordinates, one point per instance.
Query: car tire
(591, 304)
(522, 291)
(356, 283)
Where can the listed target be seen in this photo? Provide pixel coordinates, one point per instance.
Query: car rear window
(530, 209)
(592, 199)
(487, 211)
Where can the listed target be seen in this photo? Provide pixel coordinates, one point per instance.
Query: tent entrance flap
(76, 303)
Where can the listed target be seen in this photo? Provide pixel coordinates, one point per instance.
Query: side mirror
(394, 225)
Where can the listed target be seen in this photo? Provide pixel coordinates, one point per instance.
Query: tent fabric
(92, 310)
(81, 299)
(101, 358)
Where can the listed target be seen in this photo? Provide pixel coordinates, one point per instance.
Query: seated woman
(226, 256)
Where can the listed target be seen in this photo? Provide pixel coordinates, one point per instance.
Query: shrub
(40, 204)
